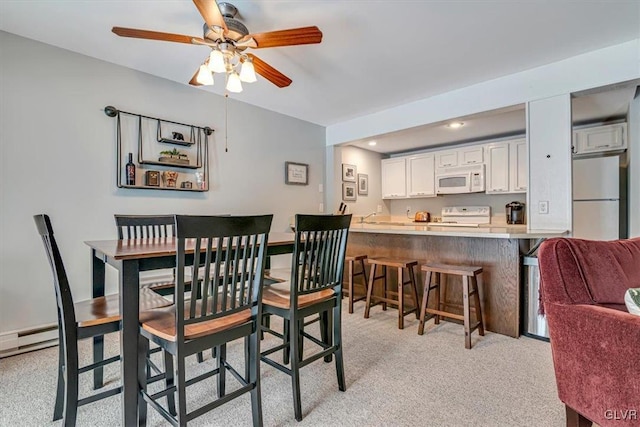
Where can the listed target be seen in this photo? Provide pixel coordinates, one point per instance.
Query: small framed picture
(296, 173)
(363, 184)
(348, 191)
(349, 172)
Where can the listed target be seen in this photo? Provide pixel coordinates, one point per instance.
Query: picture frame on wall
(363, 184)
(349, 172)
(349, 191)
(296, 173)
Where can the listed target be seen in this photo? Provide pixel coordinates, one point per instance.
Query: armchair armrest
(596, 353)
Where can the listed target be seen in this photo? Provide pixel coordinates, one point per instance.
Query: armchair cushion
(632, 301)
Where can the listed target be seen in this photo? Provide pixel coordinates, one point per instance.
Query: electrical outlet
(543, 207)
(320, 188)
(408, 209)
(379, 209)
(321, 208)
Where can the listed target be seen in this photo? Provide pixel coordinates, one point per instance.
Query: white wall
(633, 126)
(549, 140)
(367, 162)
(58, 157)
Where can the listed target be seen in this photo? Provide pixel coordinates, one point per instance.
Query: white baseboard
(16, 342)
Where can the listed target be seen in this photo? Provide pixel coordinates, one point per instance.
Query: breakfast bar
(497, 249)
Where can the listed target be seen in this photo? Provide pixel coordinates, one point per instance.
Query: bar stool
(351, 264)
(400, 264)
(467, 273)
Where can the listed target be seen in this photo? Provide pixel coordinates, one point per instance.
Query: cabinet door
(497, 173)
(471, 155)
(519, 171)
(447, 158)
(421, 176)
(394, 178)
(601, 138)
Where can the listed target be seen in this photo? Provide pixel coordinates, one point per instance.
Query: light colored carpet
(394, 378)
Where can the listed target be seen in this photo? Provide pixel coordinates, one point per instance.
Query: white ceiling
(374, 54)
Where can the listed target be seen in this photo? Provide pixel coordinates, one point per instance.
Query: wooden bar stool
(400, 264)
(351, 263)
(467, 272)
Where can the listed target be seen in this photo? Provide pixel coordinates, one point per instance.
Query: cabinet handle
(603, 146)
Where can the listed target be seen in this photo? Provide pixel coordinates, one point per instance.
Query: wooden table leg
(98, 273)
(129, 301)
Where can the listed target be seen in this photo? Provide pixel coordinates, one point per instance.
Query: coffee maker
(515, 213)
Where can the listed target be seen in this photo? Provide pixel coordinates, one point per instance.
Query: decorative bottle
(131, 171)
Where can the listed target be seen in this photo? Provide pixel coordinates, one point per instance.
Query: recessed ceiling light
(372, 143)
(455, 125)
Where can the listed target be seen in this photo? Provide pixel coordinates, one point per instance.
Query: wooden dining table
(130, 257)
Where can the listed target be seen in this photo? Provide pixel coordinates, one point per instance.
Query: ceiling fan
(228, 38)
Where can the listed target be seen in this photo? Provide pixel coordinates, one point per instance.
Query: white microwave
(456, 180)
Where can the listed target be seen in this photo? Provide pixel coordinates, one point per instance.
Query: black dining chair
(81, 320)
(232, 251)
(315, 288)
(149, 227)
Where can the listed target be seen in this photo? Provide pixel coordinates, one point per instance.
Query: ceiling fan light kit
(228, 38)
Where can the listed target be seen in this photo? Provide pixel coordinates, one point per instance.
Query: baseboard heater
(16, 342)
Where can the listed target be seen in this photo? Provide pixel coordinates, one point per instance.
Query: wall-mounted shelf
(170, 165)
(147, 187)
(197, 146)
(175, 142)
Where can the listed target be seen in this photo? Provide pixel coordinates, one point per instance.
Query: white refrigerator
(596, 198)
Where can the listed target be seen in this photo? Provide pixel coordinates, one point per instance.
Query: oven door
(454, 183)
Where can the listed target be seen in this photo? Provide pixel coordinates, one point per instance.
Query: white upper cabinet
(421, 175)
(600, 138)
(394, 178)
(471, 155)
(506, 169)
(497, 169)
(446, 158)
(518, 166)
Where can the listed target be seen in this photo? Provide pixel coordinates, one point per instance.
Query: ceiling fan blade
(211, 13)
(268, 72)
(194, 81)
(294, 36)
(154, 35)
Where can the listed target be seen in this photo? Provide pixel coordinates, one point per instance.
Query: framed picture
(348, 191)
(296, 173)
(348, 172)
(363, 184)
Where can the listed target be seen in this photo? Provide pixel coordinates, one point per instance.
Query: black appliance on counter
(515, 213)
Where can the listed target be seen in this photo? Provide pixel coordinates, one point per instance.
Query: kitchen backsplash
(434, 205)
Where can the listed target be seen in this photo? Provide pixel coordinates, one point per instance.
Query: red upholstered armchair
(594, 340)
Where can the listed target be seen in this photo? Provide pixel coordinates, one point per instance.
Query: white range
(464, 216)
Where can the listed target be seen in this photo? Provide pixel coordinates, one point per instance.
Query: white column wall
(549, 141)
(633, 127)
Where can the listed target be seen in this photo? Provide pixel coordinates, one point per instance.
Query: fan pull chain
(226, 121)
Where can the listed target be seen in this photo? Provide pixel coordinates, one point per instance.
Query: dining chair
(81, 320)
(232, 252)
(149, 226)
(315, 288)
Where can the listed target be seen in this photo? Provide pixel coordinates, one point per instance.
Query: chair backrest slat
(64, 299)
(233, 252)
(144, 226)
(319, 252)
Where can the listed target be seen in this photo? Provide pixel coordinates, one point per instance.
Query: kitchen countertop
(489, 231)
